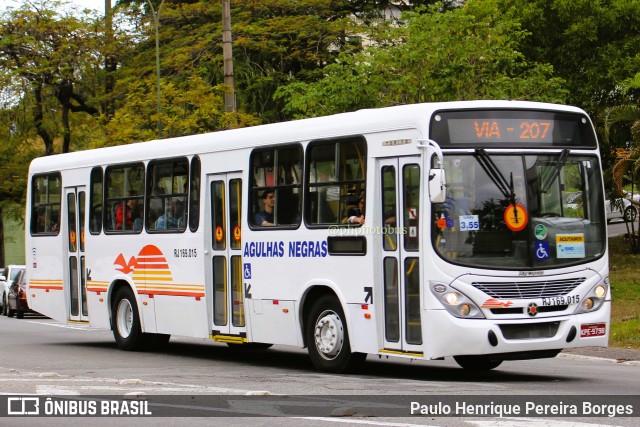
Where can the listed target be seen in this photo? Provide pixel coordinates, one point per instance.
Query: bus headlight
(455, 302)
(594, 299)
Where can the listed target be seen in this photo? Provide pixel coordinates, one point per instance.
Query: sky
(88, 4)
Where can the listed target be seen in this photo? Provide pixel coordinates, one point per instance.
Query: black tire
(5, 309)
(477, 363)
(125, 324)
(10, 312)
(328, 338)
(19, 314)
(125, 321)
(630, 214)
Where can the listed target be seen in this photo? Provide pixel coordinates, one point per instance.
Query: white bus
(244, 237)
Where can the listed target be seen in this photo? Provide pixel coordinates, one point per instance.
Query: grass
(625, 290)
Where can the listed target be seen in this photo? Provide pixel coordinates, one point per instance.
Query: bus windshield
(520, 211)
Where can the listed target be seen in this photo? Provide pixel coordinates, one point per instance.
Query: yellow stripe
(169, 287)
(45, 282)
(403, 353)
(228, 339)
(143, 272)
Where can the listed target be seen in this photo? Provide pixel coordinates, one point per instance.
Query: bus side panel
(362, 328)
(273, 321)
(45, 274)
(180, 315)
(99, 310)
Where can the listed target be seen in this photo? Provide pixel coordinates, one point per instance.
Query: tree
(44, 54)
(472, 52)
(593, 45)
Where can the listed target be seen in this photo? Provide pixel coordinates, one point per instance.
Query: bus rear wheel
(328, 338)
(125, 323)
(477, 363)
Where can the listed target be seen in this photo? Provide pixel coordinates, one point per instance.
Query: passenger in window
(155, 203)
(264, 218)
(128, 215)
(174, 218)
(356, 215)
(42, 221)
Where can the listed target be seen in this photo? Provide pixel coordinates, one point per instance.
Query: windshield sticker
(469, 222)
(570, 245)
(516, 217)
(540, 232)
(542, 250)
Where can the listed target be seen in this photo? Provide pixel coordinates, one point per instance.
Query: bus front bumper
(451, 336)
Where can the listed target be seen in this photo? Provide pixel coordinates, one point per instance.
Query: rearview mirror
(437, 185)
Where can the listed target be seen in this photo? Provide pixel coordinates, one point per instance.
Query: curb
(570, 356)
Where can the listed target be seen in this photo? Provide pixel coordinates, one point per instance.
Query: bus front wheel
(477, 363)
(328, 338)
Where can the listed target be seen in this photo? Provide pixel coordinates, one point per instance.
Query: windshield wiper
(562, 159)
(487, 163)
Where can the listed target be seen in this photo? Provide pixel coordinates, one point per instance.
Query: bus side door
(224, 261)
(400, 196)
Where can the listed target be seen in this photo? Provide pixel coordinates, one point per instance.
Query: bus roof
(344, 124)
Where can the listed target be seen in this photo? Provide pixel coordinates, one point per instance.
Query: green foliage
(625, 293)
(188, 107)
(468, 53)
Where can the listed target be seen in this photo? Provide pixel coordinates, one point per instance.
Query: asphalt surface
(617, 354)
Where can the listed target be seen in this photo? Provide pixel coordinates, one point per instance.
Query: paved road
(41, 357)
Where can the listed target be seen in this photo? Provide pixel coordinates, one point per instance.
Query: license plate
(561, 300)
(593, 330)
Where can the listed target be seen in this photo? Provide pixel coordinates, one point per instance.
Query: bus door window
(390, 244)
(411, 198)
(399, 212)
(237, 294)
(78, 309)
(218, 228)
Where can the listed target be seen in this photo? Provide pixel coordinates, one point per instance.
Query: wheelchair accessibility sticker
(542, 250)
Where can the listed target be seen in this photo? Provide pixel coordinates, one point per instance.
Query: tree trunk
(38, 119)
(2, 257)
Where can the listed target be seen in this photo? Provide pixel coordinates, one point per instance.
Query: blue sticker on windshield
(542, 250)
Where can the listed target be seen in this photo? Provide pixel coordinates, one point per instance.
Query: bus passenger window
(95, 207)
(336, 173)
(194, 194)
(276, 186)
(167, 186)
(45, 203)
(124, 198)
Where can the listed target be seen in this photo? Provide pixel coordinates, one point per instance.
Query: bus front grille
(528, 290)
(530, 331)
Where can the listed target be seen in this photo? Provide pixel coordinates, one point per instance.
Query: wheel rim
(630, 214)
(124, 318)
(329, 335)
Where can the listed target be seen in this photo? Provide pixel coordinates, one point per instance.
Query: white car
(621, 209)
(10, 274)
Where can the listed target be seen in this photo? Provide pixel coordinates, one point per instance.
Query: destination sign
(501, 130)
(511, 128)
